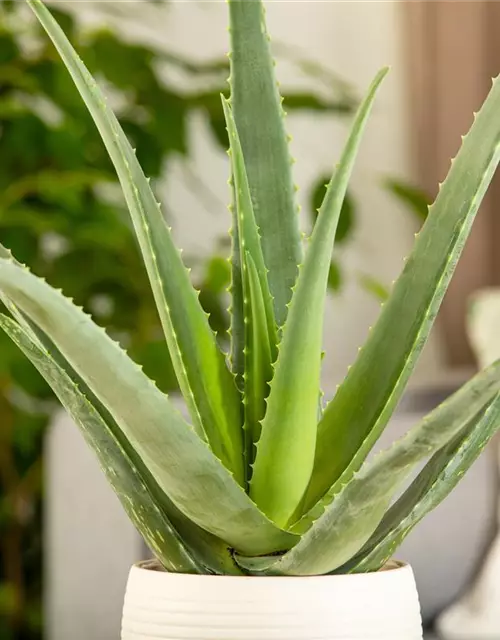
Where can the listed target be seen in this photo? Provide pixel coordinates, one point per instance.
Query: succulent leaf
(256, 484)
(181, 463)
(355, 512)
(237, 325)
(125, 478)
(285, 452)
(362, 406)
(205, 381)
(186, 547)
(258, 359)
(433, 484)
(259, 117)
(260, 332)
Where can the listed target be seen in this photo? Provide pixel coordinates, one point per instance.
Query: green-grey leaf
(260, 349)
(237, 325)
(363, 404)
(456, 410)
(350, 519)
(285, 452)
(181, 463)
(248, 231)
(124, 476)
(258, 357)
(204, 379)
(416, 200)
(433, 484)
(255, 99)
(106, 439)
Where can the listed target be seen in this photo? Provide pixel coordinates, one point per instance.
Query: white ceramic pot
(376, 606)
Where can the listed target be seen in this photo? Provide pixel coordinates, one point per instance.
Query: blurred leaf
(28, 432)
(311, 102)
(374, 286)
(155, 359)
(22, 242)
(218, 274)
(125, 65)
(27, 377)
(215, 305)
(347, 215)
(415, 199)
(335, 277)
(8, 47)
(218, 128)
(7, 355)
(8, 598)
(213, 297)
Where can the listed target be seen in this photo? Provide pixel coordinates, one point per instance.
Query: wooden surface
(453, 51)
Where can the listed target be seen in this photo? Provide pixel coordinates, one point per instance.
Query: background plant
(264, 480)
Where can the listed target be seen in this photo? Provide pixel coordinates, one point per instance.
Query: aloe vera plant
(262, 479)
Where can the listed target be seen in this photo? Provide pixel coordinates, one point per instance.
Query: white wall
(89, 542)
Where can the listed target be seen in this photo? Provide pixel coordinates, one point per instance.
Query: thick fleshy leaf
(260, 330)
(248, 231)
(364, 402)
(285, 452)
(204, 551)
(235, 310)
(259, 117)
(145, 503)
(180, 462)
(205, 381)
(433, 484)
(348, 522)
(259, 359)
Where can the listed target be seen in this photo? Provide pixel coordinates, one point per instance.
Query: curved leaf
(285, 452)
(260, 331)
(126, 478)
(259, 358)
(204, 379)
(181, 463)
(433, 484)
(364, 402)
(347, 523)
(255, 99)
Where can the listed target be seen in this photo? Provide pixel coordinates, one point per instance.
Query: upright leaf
(235, 310)
(250, 240)
(204, 379)
(356, 511)
(259, 119)
(180, 462)
(363, 404)
(259, 324)
(285, 452)
(259, 358)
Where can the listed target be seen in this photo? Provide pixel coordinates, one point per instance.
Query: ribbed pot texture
(375, 606)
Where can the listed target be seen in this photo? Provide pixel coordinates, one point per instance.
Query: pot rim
(391, 567)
